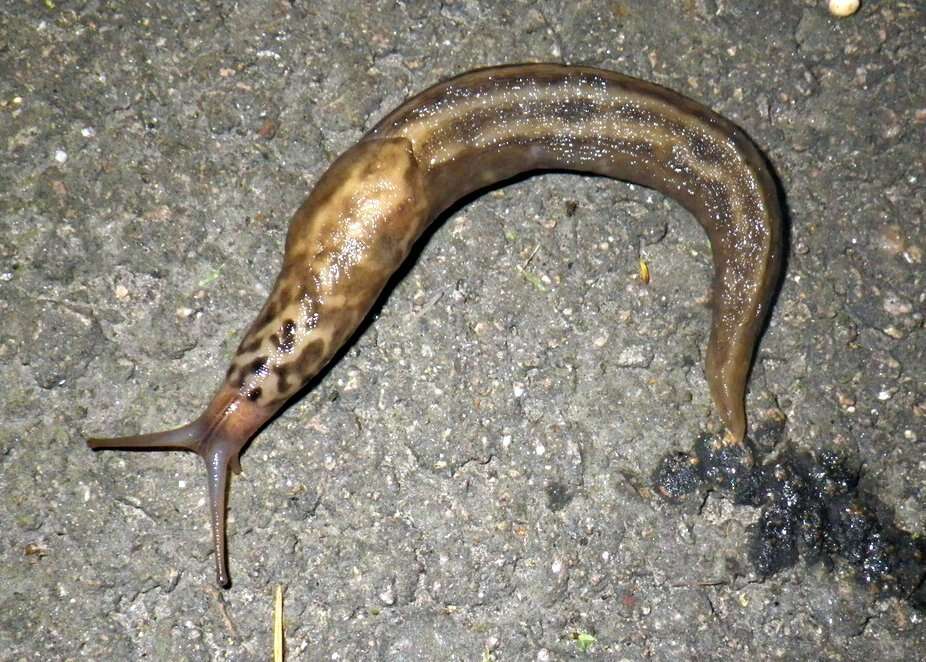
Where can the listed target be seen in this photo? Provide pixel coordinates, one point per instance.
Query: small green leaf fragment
(584, 641)
(533, 279)
(212, 276)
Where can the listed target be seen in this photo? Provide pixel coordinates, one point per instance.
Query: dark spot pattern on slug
(259, 366)
(254, 394)
(238, 382)
(706, 150)
(295, 256)
(287, 336)
(271, 310)
(282, 373)
(310, 357)
(251, 343)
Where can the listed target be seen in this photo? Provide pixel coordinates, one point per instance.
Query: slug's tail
(217, 437)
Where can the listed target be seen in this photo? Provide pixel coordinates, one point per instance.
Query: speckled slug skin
(361, 220)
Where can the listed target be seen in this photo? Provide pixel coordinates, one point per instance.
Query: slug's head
(218, 436)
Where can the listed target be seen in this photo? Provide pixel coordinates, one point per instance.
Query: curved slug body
(359, 223)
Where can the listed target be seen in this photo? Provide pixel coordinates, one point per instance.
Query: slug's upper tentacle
(359, 223)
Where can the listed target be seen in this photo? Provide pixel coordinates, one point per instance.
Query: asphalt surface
(473, 478)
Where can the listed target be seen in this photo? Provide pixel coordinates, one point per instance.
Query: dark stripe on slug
(467, 127)
(478, 95)
(470, 122)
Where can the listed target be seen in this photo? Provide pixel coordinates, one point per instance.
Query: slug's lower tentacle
(359, 223)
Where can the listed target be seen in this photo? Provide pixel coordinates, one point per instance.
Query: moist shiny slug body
(359, 223)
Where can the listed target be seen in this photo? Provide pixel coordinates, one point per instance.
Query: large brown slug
(375, 201)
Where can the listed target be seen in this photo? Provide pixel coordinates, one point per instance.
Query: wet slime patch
(812, 507)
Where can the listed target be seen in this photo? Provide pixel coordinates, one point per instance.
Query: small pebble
(843, 8)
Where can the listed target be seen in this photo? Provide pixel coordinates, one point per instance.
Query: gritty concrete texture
(472, 479)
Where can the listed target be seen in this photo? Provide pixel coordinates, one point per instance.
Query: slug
(470, 132)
